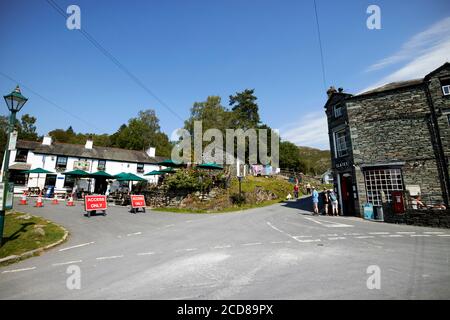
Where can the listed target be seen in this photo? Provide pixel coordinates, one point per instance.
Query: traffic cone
(39, 201)
(55, 200)
(70, 202)
(23, 199)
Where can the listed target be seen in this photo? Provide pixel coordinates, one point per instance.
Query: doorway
(50, 180)
(348, 201)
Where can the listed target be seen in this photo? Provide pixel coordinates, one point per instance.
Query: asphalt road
(276, 252)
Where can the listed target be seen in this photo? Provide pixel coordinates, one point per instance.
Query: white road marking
(392, 236)
(64, 263)
(365, 237)
(352, 234)
(337, 238)
(280, 242)
(420, 235)
(289, 235)
(110, 257)
(77, 246)
(252, 244)
(189, 249)
(329, 224)
(189, 221)
(222, 247)
(308, 240)
(405, 232)
(433, 232)
(134, 234)
(379, 233)
(145, 253)
(19, 270)
(169, 225)
(443, 235)
(302, 236)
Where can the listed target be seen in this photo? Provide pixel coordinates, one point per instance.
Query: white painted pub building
(62, 157)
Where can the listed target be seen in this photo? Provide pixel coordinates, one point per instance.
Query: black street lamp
(15, 101)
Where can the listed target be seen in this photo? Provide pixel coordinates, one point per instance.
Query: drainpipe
(439, 150)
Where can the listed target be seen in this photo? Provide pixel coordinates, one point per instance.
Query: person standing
(308, 188)
(326, 200)
(315, 199)
(334, 203)
(296, 191)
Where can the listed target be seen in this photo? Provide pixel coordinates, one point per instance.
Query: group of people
(329, 199)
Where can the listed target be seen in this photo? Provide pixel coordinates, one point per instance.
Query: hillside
(316, 161)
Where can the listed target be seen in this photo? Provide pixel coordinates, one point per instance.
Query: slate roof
(392, 86)
(79, 151)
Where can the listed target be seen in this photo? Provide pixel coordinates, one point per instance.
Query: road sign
(137, 201)
(9, 196)
(95, 203)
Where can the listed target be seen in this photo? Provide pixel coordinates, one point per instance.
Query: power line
(49, 101)
(113, 59)
(320, 47)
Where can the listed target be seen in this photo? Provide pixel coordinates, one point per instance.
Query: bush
(237, 198)
(189, 181)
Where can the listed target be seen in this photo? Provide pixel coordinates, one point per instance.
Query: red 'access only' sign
(92, 203)
(137, 201)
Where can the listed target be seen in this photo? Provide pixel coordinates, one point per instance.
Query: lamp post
(15, 101)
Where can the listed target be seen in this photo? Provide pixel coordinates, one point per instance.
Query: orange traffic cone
(55, 200)
(39, 201)
(70, 202)
(23, 199)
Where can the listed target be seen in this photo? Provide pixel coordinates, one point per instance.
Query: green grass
(20, 235)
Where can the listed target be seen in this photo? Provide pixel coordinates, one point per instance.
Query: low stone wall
(425, 218)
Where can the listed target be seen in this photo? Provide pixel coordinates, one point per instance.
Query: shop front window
(18, 178)
(379, 181)
(341, 143)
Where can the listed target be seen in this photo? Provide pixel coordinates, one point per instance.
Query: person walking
(326, 200)
(315, 199)
(334, 203)
(308, 188)
(296, 191)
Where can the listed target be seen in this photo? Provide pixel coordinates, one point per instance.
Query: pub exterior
(392, 139)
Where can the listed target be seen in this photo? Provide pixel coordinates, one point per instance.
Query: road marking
(352, 234)
(189, 221)
(302, 236)
(169, 225)
(77, 246)
(64, 263)
(308, 240)
(433, 232)
(443, 235)
(330, 223)
(280, 242)
(289, 235)
(392, 236)
(110, 257)
(365, 237)
(190, 249)
(19, 270)
(379, 233)
(145, 253)
(337, 238)
(222, 247)
(420, 235)
(252, 244)
(134, 234)
(405, 232)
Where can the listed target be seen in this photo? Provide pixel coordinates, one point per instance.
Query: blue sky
(186, 50)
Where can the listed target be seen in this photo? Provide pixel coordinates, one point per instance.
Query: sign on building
(82, 165)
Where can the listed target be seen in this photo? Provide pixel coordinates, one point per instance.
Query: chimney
(47, 141)
(151, 152)
(89, 144)
(331, 91)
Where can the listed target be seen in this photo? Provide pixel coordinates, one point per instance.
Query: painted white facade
(48, 162)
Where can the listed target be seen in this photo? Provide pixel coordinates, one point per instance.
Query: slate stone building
(393, 138)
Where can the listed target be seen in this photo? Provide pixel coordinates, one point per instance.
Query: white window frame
(337, 110)
(339, 151)
(446, 90)
(378, 180)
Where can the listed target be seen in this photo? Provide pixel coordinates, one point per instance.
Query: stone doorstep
(31, 253)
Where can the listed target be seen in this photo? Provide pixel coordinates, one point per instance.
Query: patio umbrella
(153, 173)
(38, 171)
(101, 174)
(167, 170)
(130, 177)
(171, 164)
(77, 173)
(210, 165)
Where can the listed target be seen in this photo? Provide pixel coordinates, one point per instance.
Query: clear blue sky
(186, 50)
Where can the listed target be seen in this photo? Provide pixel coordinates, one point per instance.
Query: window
(382, 180)
(69, 182)
(445, 84)
(101, 165)
(61, 163)
(341, 143)
(18, 178)
(140, 168)
(337, 111)
(21, 155)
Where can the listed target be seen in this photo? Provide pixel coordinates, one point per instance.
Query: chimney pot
(89, 144)
(47, 141)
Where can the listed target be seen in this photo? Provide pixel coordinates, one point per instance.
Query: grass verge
(24, 232)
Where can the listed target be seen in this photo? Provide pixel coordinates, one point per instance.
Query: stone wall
(425, 218)
(391, 127)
